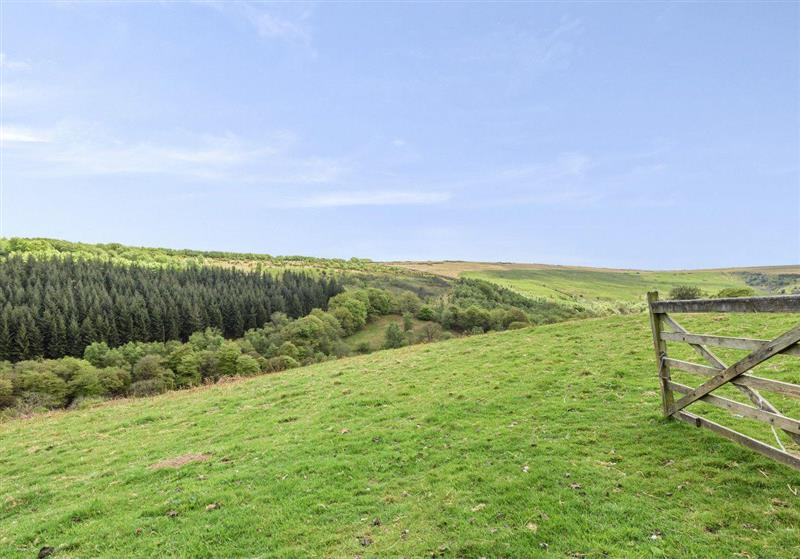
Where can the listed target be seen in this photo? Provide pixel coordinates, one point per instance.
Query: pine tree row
(56, 307)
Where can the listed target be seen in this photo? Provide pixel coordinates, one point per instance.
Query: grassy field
(542, 442)
(374, 333)
(594, 285)
(601, 285)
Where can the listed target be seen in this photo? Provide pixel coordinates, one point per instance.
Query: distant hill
(607, 285)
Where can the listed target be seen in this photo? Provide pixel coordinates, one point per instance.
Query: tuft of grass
(544, 442)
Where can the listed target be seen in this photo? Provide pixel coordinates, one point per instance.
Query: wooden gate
(667, 329)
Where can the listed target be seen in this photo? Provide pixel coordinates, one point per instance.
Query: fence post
(660, 346)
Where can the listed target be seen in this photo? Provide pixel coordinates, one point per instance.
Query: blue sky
(629, 135)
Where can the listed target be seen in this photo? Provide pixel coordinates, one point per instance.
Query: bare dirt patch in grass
(179, 461)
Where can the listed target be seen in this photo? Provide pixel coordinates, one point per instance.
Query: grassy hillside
(602, 285)
(374, 333)
(537, 442)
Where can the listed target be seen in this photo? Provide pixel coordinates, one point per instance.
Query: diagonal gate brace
(754, 395)
(767, 350)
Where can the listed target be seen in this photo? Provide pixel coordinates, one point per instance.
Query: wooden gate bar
(751, 381)
(751, 443)
(704, 352)
(723, 341)
(786, 423)
(782, 303)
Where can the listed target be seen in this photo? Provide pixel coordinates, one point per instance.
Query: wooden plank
(786, 423)
(660, 347)
(751, 381)
(749, 391)
(705, 353)
(690, 367)
(753, 444)
(782, 303)
(723, 341)
(751, 360)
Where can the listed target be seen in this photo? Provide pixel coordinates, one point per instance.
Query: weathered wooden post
(660, 346)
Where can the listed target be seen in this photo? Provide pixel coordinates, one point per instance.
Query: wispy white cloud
(530, 50)
(12, 134)
(288, 23)
(373, 198)
(573, 164)
(270, 26)
(571, 180)
(72, 149)
(271, 167)
(8, 64)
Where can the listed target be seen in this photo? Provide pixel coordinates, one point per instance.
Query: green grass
(374, 333)
(542, 442)
(603, 285)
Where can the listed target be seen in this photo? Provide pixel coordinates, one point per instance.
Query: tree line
(56, 307)
(141, 368)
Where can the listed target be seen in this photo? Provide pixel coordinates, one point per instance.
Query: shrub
(288, 349)
(280, 319)
(350, 311)
(340, 349)
(516, 325)
(281, 363)
(247, 366)
(736, 292)
(6, 393)
(430, 332)
(408, 323)
(515, 315)
(363, 347)
(394, 337)
(312, 334)
(381, 302)
(208, 365)
(96, 353)
(150, 370)
(685, 292)
(39, 387)
(86, 383)
(408, 302)
(227, 358)
(475, 319)
(187, 368)
(209, 339)
(67, 368)
(497, 319)
(115, 381)
(426, 313)
(149, 387)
